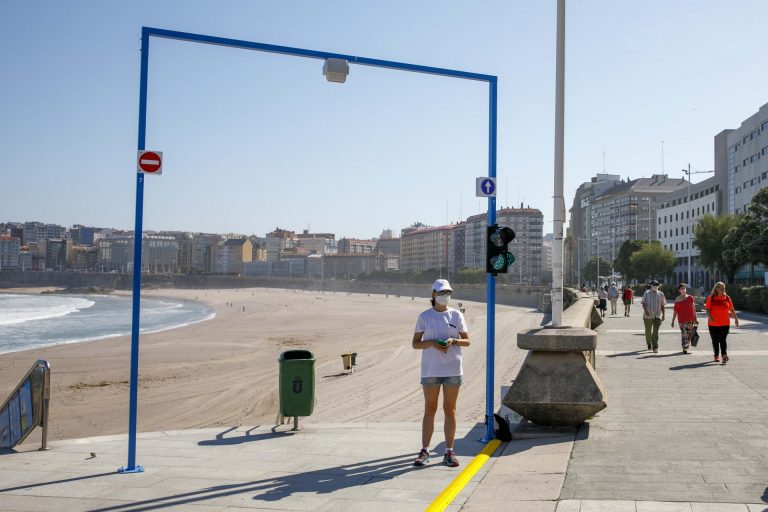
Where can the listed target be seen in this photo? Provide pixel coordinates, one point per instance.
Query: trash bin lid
(296, 354)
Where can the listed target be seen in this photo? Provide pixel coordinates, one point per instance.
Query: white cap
(442, 284)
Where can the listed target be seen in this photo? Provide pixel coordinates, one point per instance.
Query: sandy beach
(224, 372)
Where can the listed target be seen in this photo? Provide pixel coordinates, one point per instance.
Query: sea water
(35, 321)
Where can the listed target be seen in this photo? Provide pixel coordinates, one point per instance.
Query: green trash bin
(297, 383)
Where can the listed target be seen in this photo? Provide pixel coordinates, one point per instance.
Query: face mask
(442, 299)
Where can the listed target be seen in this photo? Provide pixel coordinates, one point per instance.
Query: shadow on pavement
(321, 481)
(694, 365)
(54, 482)
(468, 446)
(583, 433)
(654, 356)
(626, 354)
(247, 438)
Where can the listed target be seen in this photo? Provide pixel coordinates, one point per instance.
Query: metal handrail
(39, 378)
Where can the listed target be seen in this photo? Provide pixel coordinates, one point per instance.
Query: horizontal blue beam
(312, 54)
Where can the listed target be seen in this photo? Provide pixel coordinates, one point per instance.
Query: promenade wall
(509, 295)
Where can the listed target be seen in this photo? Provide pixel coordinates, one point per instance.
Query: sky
(253, 141)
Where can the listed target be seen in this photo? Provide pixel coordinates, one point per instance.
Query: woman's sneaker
(423, 458)
(725, 358)
(717, 359)
(449, 459)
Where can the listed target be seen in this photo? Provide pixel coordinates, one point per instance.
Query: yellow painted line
(462, 479)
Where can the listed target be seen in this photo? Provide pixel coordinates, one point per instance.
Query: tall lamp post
(690, 216)
(597, 281)
(578, 258)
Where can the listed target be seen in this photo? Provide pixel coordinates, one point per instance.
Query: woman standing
(685, 312)
(627, 297)
(602, 296)
(440, 333)
(719, 307)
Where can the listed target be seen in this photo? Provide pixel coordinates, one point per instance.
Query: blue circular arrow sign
(488, 186)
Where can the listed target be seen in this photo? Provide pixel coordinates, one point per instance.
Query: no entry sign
(150, 162)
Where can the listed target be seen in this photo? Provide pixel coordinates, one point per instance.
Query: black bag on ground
(503, 433)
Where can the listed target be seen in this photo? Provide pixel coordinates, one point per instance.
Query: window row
(678, 232)
(706, 192)
(751, 159)
(678, 247)
(707, 208)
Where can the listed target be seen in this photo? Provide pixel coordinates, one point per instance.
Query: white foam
(15, 309)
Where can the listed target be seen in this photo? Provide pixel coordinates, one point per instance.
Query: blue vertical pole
(137, 236)
(491, 280)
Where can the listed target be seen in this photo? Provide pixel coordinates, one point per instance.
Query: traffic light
(498, 258)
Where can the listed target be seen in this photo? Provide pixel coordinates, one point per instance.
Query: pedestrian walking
(719, 311)
(440, 333)
(602, 297)
(653, 314)
(613, 296)
(628, 298)
(684, 310)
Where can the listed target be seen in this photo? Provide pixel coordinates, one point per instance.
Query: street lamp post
(597, 280)
(690, 216)
(578, 258)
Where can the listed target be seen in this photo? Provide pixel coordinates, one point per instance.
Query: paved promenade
(678, 428)
(325, 467)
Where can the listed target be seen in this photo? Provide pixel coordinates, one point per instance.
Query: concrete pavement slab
(678, 428)
(333, 467)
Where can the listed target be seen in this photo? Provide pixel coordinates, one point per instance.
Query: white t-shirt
(438, 325)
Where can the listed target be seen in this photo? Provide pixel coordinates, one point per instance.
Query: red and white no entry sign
(150, 162)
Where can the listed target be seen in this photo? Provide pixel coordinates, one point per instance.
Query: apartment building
(356, 246)
(527, 247)
(278, 240)
(229, 255)
(627, 211)
(579, 226)
(10, 251)
(426, 248)
(743, 153)
(159, 254)
(676, 220)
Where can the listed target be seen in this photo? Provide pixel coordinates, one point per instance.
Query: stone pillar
(556, 385)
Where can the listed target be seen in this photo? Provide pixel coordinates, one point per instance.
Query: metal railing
(27, 407)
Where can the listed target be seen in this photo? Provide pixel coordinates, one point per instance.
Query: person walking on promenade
(613, 295)
(653, 314)
(628, 298)
(440, 333)
(685, 312)
(719, 310)
(602, 297)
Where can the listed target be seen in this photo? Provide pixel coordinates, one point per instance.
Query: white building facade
(676, 219)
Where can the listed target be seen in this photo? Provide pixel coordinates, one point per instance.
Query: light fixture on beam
(336, 70)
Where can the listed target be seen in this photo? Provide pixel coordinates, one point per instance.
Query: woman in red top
(685, 312)
(719, 306)
(627, 298)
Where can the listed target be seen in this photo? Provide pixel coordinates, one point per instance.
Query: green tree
(652, 261)
(589, 272)
(709, 237)
(622, 261)
(755, 226)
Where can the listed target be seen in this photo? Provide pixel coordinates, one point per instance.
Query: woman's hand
(441, 348)
(673, 322)
(736, 320)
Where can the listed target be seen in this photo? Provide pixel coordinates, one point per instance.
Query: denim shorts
(445, 381)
